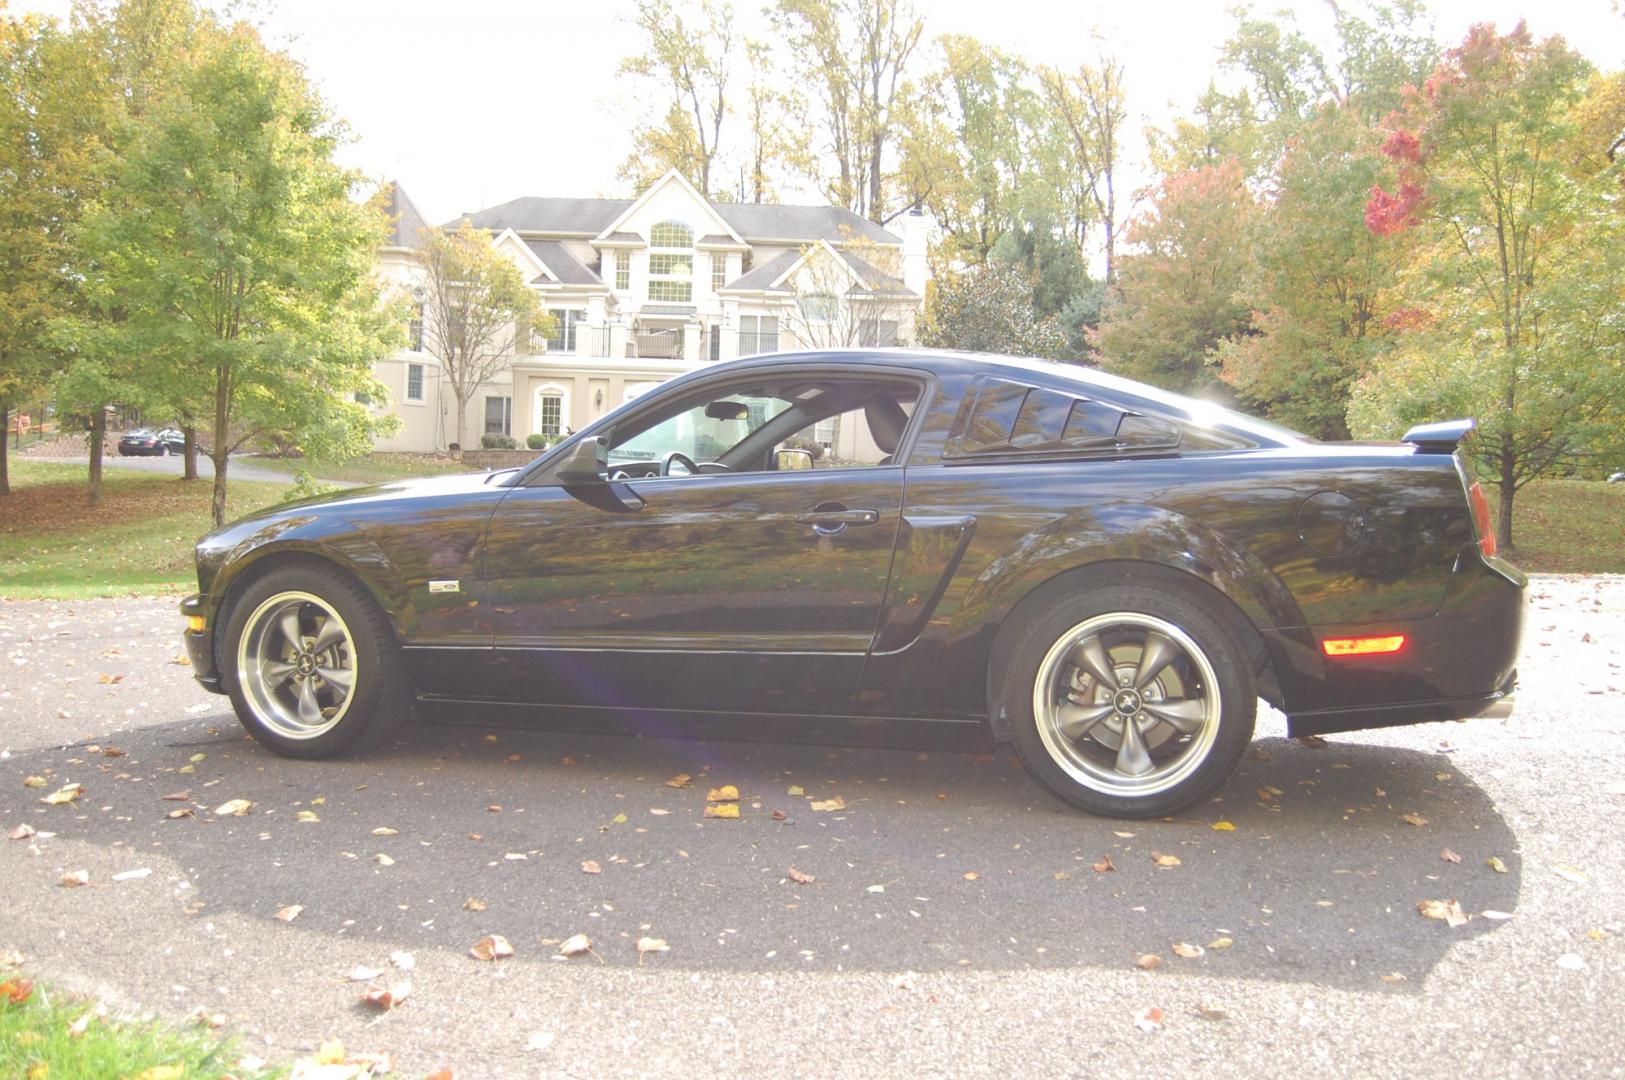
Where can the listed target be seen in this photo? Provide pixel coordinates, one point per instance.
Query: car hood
(393, 491)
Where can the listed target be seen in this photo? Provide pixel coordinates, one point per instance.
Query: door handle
(829, 520)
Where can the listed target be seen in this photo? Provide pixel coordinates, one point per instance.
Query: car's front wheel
(311, 664)
(1129, 700)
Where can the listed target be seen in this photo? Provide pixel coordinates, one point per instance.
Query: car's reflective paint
(705, 593)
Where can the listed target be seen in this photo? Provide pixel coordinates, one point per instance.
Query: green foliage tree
(1086, 111)
(690, 60)
(1179, 293)
(1523, 261)
(989, 308)
(52, 150)
(479, 310)
(857, 54)
(228, 261)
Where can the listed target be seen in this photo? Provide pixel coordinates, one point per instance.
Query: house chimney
(915, 267)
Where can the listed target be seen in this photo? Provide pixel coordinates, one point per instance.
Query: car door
(757, 590)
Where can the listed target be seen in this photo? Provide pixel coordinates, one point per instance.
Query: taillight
(1481, 518)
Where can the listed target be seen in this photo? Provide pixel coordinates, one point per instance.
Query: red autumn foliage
(1387, 214)
(1403, 147)
(1408, 318)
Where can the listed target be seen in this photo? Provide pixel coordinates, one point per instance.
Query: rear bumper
(1459, 663)
(200, 647)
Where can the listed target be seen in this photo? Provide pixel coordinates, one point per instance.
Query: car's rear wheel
(1129, 700)
(311, 665)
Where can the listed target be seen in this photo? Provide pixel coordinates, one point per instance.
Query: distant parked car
(145, 441)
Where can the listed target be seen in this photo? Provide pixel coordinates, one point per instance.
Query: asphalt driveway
(957, 920)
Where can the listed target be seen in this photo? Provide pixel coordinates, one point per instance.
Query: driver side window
(702, 433)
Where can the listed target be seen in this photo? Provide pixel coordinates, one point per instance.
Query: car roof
(1076, 378)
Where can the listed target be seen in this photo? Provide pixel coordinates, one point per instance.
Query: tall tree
(1178, 294)
(229, 257)
(479, 310)
(1523, 269)
(989, 308)
(857, 52)
(964, 145)
(690, 55)
(1088, 107)
(52, 132)
(776, 138)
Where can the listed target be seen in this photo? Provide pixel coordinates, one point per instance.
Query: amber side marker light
(1362, 646)
(194, 623)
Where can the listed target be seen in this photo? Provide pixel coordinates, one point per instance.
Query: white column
(691, 341)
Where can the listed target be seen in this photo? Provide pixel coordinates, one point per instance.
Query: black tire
(379, 700)
(163, 449)
(1064, 719)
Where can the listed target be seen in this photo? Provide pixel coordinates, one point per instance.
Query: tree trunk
(462, 406)
(222, 443)
(1503, 527)
(191, 452)
(98, 439)
(5, 467)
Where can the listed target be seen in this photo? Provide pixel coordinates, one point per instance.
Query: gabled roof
(874, 279)
(751, 222)
(406, 224)
(767, 275)
(565, 267)
(672, 177)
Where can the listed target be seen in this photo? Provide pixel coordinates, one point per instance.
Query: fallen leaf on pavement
(307, 817)
(491, 947)
(722, 810)
(233, 808)
(1165, 861)
(1221, 943)
(822, 805)
(385, 830)
(800, 878)
(383, 860)
(971, 875)
(1187, 950)
(75, 879)
(1568, 873)
(1414, 819)
(1494, 863)
(290, 913)
(385, 998)
(658, 811)
(180, 812)
(681, 780)
(1223, 826)
(651, 944)
(1449, 856)
(64, 795)
(1393, 977)
(795, 789)
(177, 796)
(725, 793)
(575, 945)
(1104, 866)
(1314, 742)
(1148, 962)
(591, 867)
(618, 819)
(21, 832)
(1149, 1020)
(1446, 911)
(473, 904)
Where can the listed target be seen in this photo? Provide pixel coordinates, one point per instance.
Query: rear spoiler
(1440, 438)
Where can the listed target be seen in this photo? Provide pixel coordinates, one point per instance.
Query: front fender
(330, 539)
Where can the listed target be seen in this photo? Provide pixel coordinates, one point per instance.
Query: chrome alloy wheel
(296, 662)
(1127, 704)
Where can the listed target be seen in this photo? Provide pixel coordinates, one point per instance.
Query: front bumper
(200, 645)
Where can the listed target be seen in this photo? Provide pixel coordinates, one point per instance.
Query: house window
(563, 337)
(671, 263)
(414, 382)
(877, 333)
(551, 417)
(414, 329)
(758, 334)
(499, 416)
(715, 350)
(818, 307)
(719, 271)
(623, 270)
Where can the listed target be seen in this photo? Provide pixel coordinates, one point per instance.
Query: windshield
(699, 433)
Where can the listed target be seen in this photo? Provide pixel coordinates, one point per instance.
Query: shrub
(494, 441)
(536, 441)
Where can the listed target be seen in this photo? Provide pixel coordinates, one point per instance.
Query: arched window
(818, 307)
(671, 263)
(550, 409)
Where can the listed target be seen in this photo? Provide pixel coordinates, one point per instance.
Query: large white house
(641, 290)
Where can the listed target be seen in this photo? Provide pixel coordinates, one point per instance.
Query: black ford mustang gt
(1106, 575)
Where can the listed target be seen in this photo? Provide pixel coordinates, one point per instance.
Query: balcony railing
(660, 344)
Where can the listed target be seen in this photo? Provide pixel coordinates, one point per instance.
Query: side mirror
(586, 463)
(789, 460)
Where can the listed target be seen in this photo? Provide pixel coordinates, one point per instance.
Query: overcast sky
(474, 102)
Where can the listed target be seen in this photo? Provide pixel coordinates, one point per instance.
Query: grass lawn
(52, 1036)
(138, 541)
(1567, 526)
(366, 469)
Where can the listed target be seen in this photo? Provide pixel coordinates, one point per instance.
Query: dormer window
(671, 263)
